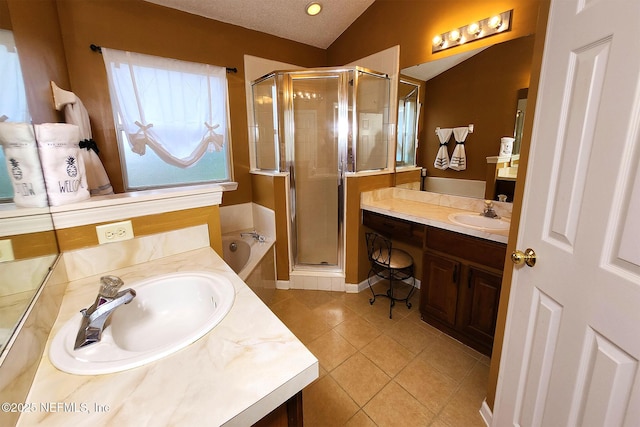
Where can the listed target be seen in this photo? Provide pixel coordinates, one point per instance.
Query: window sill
(133, 204)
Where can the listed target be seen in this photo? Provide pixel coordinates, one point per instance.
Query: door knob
(527, 257)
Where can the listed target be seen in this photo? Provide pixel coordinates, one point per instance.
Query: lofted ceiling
(288, 19)
(283, 18)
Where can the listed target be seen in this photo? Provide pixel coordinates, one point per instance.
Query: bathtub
(243, 254)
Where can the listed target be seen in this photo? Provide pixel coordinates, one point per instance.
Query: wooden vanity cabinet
(460, 288)
(461, 278)
(397, 229)
(479, 304)
(439, 287)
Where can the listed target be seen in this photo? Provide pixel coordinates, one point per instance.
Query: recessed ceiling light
(314, 8)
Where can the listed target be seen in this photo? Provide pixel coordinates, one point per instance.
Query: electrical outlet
(6, 250)
(114, 232)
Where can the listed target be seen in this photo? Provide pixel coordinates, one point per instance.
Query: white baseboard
(486, 414)
(283, 284)
(350, 288)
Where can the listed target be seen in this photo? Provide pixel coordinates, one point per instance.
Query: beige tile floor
(376, 371)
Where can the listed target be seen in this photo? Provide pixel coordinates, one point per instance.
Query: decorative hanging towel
(62, 164)
(459, 156)
(23, 165)
(76, 114)
(97, 178)
(442, 158)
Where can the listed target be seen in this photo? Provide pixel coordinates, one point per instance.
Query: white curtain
(177, 108)
(13, 98)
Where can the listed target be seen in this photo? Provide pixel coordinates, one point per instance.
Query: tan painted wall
(357, 265)
(85, 235)
(33, 245)
(42, 58)
(144, 27)
(280, 188)
(407, 177)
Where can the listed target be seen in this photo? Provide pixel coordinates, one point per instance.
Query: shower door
(315, 164)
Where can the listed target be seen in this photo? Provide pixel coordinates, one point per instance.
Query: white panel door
(572, 340)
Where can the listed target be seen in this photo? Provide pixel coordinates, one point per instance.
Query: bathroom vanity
(461, 265)
(237, 374)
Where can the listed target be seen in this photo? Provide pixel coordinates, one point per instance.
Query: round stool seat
(398, 259)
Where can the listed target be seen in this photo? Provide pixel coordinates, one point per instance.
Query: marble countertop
(432, 210)
(248, 365)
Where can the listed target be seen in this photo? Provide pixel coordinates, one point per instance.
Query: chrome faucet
(488, 210)
(255, 235)
(95, 317)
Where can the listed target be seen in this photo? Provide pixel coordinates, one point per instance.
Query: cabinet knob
(527, 257)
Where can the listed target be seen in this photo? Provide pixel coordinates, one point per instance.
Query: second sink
(480, 222)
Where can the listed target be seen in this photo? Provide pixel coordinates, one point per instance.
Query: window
(13, 102)
(177, 109)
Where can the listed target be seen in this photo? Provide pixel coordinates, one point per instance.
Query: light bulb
(314, 8)
(473, 29)
(437, 41)
(454, 35)
(495, 22)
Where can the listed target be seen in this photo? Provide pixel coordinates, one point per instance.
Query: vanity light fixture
(473, 31)
(313, 8)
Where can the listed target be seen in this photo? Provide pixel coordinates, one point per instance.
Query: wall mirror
(478, 87)
(27, 239)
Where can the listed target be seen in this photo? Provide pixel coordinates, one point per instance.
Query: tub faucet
(95, 317)
(488, 210)
(255, 235)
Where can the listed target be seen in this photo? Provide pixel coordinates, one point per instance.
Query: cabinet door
(439, 287)
(479, 304)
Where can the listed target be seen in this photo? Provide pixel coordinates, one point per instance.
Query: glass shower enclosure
(318, 125)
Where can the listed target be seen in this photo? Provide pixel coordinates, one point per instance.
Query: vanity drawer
(394, 228)
(481, 251)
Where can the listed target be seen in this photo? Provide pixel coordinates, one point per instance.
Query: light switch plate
(6, 250)
(114, 232)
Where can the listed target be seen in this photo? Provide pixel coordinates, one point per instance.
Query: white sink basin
(480, 222)
(168, 313)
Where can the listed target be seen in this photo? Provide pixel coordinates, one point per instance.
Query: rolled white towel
(21, 154)
(62, 164)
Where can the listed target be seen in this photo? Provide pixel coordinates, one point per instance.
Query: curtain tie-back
(89, 144)
(214, 140)
(144, 128)
(139, 139)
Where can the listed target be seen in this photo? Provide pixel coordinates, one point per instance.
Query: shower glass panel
(372, 115)
(266, 124)
(315, 153)
(317, 124)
